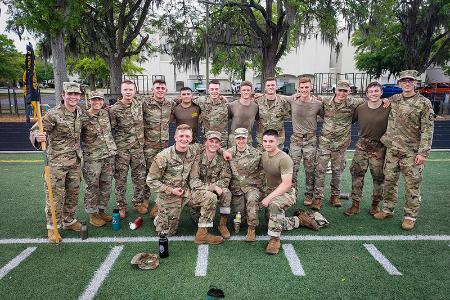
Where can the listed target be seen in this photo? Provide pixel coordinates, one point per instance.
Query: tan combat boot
(75, 226)
(251, 234)
(122, 213)
(154, 211)
(96, 220)
(408, 223)
(52, 238)
(223, 227)
(145, 204)
(308, 200)
(381, 215)
(105, 217)
(335, 201)
(273, 246)
(374, 208)
(316, 204)
(203, 237)
(352, 210)
(140, 208)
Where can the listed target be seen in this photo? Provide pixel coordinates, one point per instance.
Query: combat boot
(96, 220)
(105, 217)
(203, 237)
(145, 204)
(335, 201)
(374, 208)
(52, 238)
(75, 226)
(316, 204)
(251, 234)
(381, 215)
(122, 213)
(408, 223)
(223, 227)
(140, 208)
(308, 201)
(154, 211)
(352, 210)
(306, 219)
(273, 246)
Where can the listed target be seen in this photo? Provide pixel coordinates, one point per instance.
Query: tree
(11, 61)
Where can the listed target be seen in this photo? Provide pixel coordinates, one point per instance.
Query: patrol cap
(96, 94)
(240, 132)
(213, 135)
(411, 74)
(343, 85)
(71, 87)
(145, 261)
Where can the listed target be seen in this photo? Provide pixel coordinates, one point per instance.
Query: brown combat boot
(408, 223)
(316, 204)
(75, 226)
(308, 200)
(381, 215)
(352, 210)
(203, 237)
(306, 219)
(96, 220)
(52, 238)
(122, 213)
(145, 204)
(273, 246)
(140, 208)
(154, 211)
(105, 217)
(223, 227)
(335, 201)
(251, 234)
(374, 208)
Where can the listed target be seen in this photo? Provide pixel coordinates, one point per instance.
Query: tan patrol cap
(411, 74)
(145, 261)
(213, 135)
(71, 87)
(96, 94)
(240, 132)
(343, 85)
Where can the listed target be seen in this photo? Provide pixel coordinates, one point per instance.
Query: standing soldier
(62, 127)
(99, 149)
(408, 140)
(245, 181)
(175, 178)
(369, 151)
(187, 112)
(128, 132)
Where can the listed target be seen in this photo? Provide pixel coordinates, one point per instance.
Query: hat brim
(407, 77)
(98, 97)
(240, 135)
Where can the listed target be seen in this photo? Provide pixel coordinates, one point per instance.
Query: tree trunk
(243, 70)
(59, 64)
(115, 73)
(269, 63)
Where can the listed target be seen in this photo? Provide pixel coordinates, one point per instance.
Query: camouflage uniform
(333, 142)
(214, 116)
(170, 170)
(409, 132)
(128, 132)
(246, 183)
(63, 130)
(99, 150)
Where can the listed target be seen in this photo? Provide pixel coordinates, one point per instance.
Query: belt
(305, 135)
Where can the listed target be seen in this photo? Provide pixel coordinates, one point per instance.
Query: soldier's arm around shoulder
(426, 128)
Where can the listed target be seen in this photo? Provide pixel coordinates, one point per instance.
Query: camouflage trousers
(306, 148)
(396, 162)
(277, 218)
(98, 175)
(170, 207)
(124, 159)
(65, 188)
(149, 156)
(224, 200)
(248, 205)
(368, 154)
(337, 158)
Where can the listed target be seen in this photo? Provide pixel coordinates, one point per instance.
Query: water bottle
(237, 222)
(115, 220)
(136, 223)
(84, 230)
(344, 196)
(163, 246)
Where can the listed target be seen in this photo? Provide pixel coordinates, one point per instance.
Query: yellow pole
(47, 178)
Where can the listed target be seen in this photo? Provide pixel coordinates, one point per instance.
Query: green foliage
(11, 61)
(44, 71)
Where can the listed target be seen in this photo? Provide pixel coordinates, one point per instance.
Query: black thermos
(163, 246)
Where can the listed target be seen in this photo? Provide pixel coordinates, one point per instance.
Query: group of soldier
(103, 143)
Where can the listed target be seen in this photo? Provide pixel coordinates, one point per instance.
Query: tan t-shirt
(304, 115)
(242, 116)
(275, 166)
(188, 116)
(372, 122)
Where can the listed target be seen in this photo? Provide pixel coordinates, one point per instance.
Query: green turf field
(331, 267)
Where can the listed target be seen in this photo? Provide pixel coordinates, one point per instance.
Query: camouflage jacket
(217, 171)
(246, 170)
(214, 114)
(156, 122)
(337, 123)
(63, 130)
(127, 125)
(97, 141)
(410, 125)
(272, 117)
(169, 170)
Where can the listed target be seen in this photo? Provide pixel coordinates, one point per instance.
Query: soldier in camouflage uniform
(369, 151)
(62, 128)
(408, 140)
(99, 150)
(128, 131)
(174, 177)
(334, 140)
(246, 181)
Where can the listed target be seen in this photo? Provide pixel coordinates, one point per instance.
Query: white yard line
(202, 260)
(380, 258)
(293, 260)
(101, 274)
(190, 238)
(16, 261)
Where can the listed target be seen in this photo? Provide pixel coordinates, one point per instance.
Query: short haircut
(374, 84)
(214, 81)
(271, 132)
(185, 88)
(271, 79)
(160, 81)
(128, 82)
(304, 80)
(246, 83)
(183, 127)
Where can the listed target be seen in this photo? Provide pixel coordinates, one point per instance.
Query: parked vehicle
(435, 90)
(390, 89)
